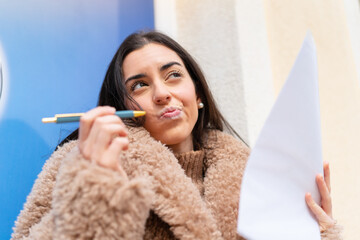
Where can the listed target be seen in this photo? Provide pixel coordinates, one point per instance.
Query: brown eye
(174, 74)
(137, 85)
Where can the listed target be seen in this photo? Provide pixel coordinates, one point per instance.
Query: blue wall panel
(54, 55)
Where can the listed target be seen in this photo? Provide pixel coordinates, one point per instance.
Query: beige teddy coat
(76, 199)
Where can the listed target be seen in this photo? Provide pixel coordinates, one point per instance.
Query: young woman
(171, 175)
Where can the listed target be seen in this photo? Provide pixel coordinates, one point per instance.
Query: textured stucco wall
(352, 8)
(208, 31)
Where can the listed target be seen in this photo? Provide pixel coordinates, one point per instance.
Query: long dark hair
(113, 91)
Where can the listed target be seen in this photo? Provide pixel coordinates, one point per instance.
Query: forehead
(149, 56)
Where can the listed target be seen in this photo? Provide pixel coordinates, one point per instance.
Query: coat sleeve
(333, 233)
(38, 202)
(92, 202)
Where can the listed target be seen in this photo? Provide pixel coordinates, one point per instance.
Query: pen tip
(139, 113)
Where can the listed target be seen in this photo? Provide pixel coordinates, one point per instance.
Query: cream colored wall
(287, 24)
(352, 9)
(246, 49)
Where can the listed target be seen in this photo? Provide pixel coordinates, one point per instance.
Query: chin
(171, 140)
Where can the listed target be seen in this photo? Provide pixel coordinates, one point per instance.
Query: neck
(184, 146)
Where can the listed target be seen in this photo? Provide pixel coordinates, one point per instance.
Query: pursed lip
(170, 112)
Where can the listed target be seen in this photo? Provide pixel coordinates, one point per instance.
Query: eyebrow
(162, 68)
(166, 66)
(137, 76)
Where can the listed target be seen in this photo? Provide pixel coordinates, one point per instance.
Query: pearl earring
(200, 105)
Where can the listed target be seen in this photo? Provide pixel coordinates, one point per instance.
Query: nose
(161, 94)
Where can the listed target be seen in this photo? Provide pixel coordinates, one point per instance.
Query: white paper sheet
(285, 160)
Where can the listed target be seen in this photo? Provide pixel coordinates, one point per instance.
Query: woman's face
(157, 79)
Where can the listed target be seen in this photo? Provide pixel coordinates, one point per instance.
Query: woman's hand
(322, 213)
(102, 136)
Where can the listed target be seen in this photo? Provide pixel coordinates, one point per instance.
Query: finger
(315, 208)
(323, 219)
(100, 123)
(86, 121)
(111, 155)
(97, 139)
(105, 137)
(327, 175)
(325, 195)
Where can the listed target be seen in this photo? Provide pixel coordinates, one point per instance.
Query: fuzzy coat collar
(177, 201)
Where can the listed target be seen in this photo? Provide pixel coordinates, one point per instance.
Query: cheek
(186, 93)
(190, 100)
